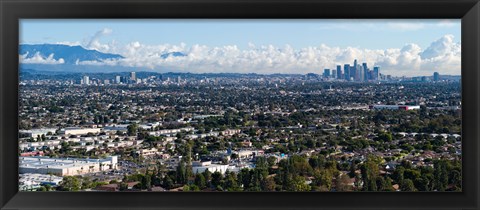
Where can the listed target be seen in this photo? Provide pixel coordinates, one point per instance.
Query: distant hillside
(71, 54)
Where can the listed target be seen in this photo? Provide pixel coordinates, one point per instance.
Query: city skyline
(413, 47)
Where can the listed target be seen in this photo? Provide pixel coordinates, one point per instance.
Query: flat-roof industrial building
(65, 166)
(78, 131)
(395, 107)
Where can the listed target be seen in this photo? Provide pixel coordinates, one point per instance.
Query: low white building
(200, 167)
(37, 132)
(40, 179)
(65, 166)
(79, 131)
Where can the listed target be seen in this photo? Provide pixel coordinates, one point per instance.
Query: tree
(231, 182)
(440, 174)
(343, 183)
(132, 129)
(70, 183)
(268, 184)
(123, 186)
(323, 179)
(146, 181)
(407, 186)
(272, 160)
(200, 181)
(216, 179)
(42, 189)
(86, 183)
(299, 184)
(167, 182)
(191, 187)
(181, 173)
(208, 177)
(370, 172)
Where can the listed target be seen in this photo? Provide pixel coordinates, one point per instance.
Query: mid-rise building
(326, 73)
(133, 77)
(86, 80)
(436, 76)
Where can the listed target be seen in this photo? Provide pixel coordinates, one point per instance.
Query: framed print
(239, 104)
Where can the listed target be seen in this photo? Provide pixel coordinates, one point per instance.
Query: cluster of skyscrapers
(131, 79)
(355, 72)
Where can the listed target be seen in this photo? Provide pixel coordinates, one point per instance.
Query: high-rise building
(339, 72)
(365, 72)
(360, 73)
(376, 73)
(133, 76)
(334, 74)
(326, 73)
(436, 76)
(353, 73)
(118, 79)
(346, 71)
(86, 80)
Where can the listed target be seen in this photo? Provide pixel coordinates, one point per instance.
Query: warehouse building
(65, 166)
(200, 167)
(78, 131)
(36, 132)
(394, 107)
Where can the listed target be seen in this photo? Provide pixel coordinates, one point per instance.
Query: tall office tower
(359, 73)
(86, 80)
(179, 79)
(436, 76)
(355, 70)
(133, 76)
(353, 73)
(365, 72)
(334, 74)
(346, 71)
(118, 79)
(376, 73)
(339, 72)
(326, 73)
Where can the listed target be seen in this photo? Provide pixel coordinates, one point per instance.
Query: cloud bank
(442, 55)
(38, 59)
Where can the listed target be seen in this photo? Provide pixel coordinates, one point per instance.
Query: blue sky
(342, 36)
(376, 34)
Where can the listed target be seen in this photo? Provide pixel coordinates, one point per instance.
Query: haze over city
(398, 47)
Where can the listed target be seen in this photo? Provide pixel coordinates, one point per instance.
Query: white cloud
(69, 43)
(441, 47)
(443, 55)
(38, 59)
(94, 42)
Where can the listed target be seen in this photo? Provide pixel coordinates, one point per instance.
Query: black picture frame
(13, 10)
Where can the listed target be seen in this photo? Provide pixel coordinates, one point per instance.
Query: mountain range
(71, 55)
